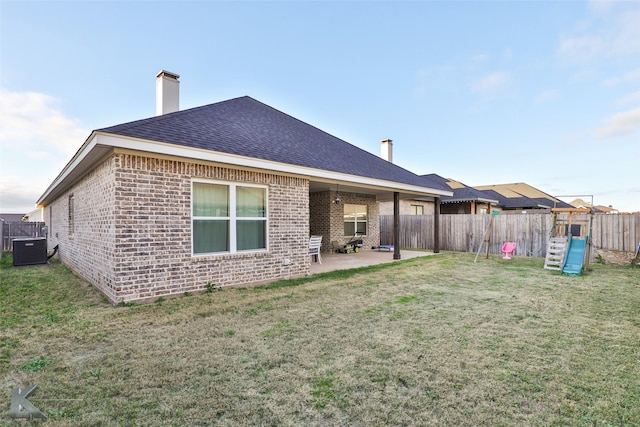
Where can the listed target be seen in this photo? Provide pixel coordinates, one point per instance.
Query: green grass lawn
(438, 341)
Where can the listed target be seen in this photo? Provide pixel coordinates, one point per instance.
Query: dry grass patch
(428, 341)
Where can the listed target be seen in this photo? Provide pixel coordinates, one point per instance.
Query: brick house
(224, 194)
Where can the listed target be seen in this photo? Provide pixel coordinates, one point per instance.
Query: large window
(355, 219)
(228, 218)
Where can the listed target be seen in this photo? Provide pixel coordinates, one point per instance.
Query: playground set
(569, 246)
(508, 248)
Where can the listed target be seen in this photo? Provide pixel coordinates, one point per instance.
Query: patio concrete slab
(337, 261)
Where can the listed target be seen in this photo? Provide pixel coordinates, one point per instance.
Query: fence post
(436, 225)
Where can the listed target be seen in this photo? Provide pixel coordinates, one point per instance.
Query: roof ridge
(167, 116)
(327, 133)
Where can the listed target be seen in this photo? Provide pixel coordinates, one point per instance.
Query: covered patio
(366, 257)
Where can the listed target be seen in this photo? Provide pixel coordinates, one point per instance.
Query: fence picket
(463, 233)
(19, 229)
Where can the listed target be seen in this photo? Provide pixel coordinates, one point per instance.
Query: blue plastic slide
(575, 256)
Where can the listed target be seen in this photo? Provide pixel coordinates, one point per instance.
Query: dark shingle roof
(246, 127)
(463, 194)
(524, 202)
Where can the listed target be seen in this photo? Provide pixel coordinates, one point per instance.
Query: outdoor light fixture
(337, 199)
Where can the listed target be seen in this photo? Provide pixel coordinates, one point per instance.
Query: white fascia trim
(214, 156)
(80, 155)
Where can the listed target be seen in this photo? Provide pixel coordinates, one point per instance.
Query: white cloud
(35, 123)
(546, 96)
(628, 77)
(626, 40)
(492, 82)
(581, 48)
(632, 98)
(599, 6)
(433, 79)
(612, 32)
(17, 195)
(481, 57)
(36, 139)
(620, 124)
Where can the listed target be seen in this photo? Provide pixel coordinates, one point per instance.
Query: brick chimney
(167, 92)
(386, 150)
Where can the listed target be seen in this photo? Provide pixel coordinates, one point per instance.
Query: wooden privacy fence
(616, 232)
(19, 229)
(464, 233)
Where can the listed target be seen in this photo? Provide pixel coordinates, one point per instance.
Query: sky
(482, 92)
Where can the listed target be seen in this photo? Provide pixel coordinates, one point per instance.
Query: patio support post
(436, 225)
(396, 225)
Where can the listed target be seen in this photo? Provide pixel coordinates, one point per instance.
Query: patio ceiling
(382, 193)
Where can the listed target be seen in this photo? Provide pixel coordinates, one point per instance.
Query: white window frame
(232, 218)
(416, 208)
(355, 222)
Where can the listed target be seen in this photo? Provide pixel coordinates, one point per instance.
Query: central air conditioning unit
(29, 251)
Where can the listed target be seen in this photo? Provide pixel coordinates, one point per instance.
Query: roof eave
(82, 161)
(100, 144)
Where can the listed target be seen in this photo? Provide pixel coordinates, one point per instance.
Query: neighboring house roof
(34, 216)
(521, 196)
(461, 192)
(11, 217)
(604, 209)
(579, 203)
(246, 132)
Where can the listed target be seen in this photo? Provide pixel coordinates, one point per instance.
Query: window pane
(210, 200)
(250, 202)
(251, 234)
(210, 236)
(361, 213)
(362, 227)
(349, 212)
(349, 228)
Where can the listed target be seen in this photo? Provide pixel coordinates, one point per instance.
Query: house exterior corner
(126, 227)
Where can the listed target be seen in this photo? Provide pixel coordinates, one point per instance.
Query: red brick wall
(133, 229)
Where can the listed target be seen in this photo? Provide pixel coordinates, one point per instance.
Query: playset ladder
(556, 248)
